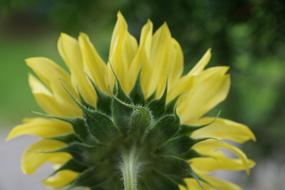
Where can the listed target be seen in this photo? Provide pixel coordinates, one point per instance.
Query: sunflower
(134, 123)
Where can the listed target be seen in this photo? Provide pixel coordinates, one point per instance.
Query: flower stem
(130, 167)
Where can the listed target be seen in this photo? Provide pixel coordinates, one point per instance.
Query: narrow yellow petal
(202, 63)
(155, 74)
(38, 154)
(70, 52)
(220, 184)
(210, 164)
(142, 56)
(223, 129)
(215, 148)
(61, 179)
(185, 82)
(193, 185)
(122, 52)
(212, 184)
(176, 64)
(208, 89)
(41, 127)
(94, 65)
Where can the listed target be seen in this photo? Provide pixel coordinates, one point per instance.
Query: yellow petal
(215, 148)
(44, 97)
(176, 64)
(142, 56)
(212, 184)
(52, 75)
(41, 127)
(210, 164)
(94, 65)
(208, 89)
(61, 179)
(159, 63)
(70, 52)
(48, 102)
(202, 63)
(38, 154)
(220, 184)
(122, 51)
(223, 129)
(56, 80)
(185, 82)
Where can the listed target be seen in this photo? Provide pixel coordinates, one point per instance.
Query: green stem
(130, 167)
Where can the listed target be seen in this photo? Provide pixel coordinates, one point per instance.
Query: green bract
(128, 142)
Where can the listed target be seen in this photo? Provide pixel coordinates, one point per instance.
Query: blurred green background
(249, 36)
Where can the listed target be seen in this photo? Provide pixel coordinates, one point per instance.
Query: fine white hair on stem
(130, 167)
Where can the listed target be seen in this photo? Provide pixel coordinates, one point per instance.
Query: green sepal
(140, 119)
(172, 166)
(170, 107)
(136, 94)
(103, 100)
(79, 151)
(176, 146)
(119, 92)
(79, 128)
(71, 165)
(102, 127)
(191, 154)
(157, 106)
(121, 113)
(78, 125)
(88, 178)
(199, 179)
(165, 128)
(154, 181)
(188, 130)
(67, 139)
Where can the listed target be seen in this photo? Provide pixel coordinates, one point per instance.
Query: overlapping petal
(39, 153)
(208, 89)
(211, 183)
(122, 51)
(69, 50)
(223, 129)
(41, 127)
(214, 148)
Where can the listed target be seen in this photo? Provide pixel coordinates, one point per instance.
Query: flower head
(135, 122)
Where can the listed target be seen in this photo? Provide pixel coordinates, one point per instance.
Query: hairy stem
(130, 168)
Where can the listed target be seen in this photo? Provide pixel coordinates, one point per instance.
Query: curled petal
(39, 153)
(223, 129)
(215, 148)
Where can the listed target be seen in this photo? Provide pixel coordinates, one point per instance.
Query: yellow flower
(136, 121)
